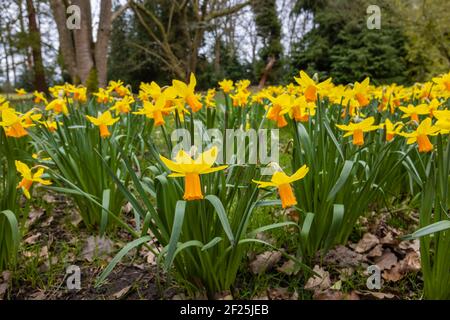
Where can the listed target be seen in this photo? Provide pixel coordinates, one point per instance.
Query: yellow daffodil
(31, 116)
(421, 134)
(80, 94)
(210, 101)
(185, 166)
(155, 111)
(443, 81)
(51, 125)
(28, 178)
(240, 98)
(58, 106)
(39, 97)
(283, 182)
(226, 85)
(391, 129)
(358, 129)
(275, 112)
(13, 124)
(443, 120)
(187, 92)
(360, 91)
(102, 96)
(123, 105)
(103, 121)
(310, 87)
(413, 112)
(21, 92)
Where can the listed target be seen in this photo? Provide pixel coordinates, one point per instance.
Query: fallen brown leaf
(394, 274)
(375, 294)
(335, 295)
(289, 268)
(411, 262)
(121, 293)
(367, 242)
(387, 260)
(32, 239)
(318, 282)
(33, 216)
(264, 261)
(376, 252)
(343, 257)
(281, 294)
(38, 295)
(96, 247)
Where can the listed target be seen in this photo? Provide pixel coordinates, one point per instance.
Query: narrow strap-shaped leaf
(217, 204)
(338, 216)
(304, 233)
(14, 227)
(345, 173)
(432, 228)
(212, 243)
(176, 230)
(119, 256)
(105, 208)
(271, 226)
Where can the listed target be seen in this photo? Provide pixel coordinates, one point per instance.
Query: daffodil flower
(443, 81)
(103, 121)
(240, 99)
(283, 182)
(310, 87)
(360, 91)
(123, 105)
(28, 178)
(102, 96)
(187, 92)
(155, 111)
(226, 85)
(58, 106)
(275, 112)
(358, 129)
(413, 112)
(391, 129)
(421, 134)
(39, 97)
(185, 166)
(13, 124)
(21, 92)
(443, 120)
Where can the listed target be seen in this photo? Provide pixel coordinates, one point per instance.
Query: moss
(92, 81)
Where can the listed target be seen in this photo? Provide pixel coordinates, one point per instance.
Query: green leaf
(425, 231)
(343, 177)
(304, 233)
(338, 217)
(105, 208)
(176, 231)
(212, 243)
(271, 226)
(119, 256)
(217, 204)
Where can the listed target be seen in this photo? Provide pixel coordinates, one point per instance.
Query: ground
(56, 239)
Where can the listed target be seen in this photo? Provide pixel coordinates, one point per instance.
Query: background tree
(269, 30)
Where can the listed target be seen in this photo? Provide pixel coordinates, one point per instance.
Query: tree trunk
(101, 47)
(66, 44)
(266, 72)
(83, 41)
(40, 83)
